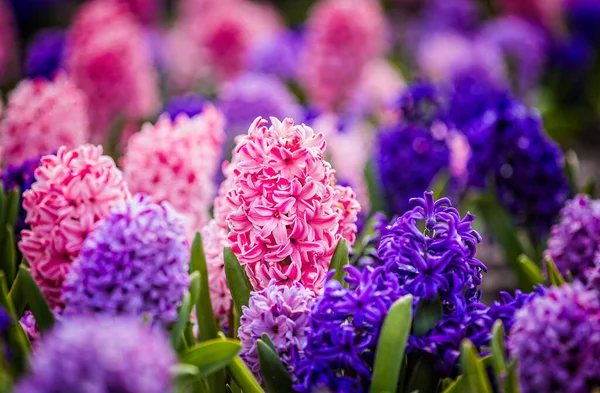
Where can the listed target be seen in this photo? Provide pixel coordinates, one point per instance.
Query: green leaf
(374, 189)
(25, 291)
(531, 273)
(439, 184)
(13, 204)
(267, 340)
(236, 280)
(8, 255)
(423, 378)
(391, 346)
(476, 379)
(572, 169)
(554, 275)
(589, 188)
(243, 376)
(498, 351)
(339, 260)
(274, 373)
(184, 371)
(427, 315)
(3, 209)
(511, 384)
(205, 315)
(458, 386)
(15, 336)
(183, 317)
(212, 355)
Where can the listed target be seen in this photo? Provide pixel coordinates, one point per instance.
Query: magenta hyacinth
(282, 313)
(101, 355)
(284, 209)
(135, 263)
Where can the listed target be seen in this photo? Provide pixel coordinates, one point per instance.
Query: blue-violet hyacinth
(344, 327)
(21, 176)
(575, 240)
(556, 339)
(189, 104)
(440, 261)
(45, 54)
(134, 263)
(282, 313)
(101, 355)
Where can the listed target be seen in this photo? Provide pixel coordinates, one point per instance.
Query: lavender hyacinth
(575, 240)
(439, 262)
(281, 312)
(278, 55)
(135, 263)
(45, 53)
(101, 355)
(556, 339)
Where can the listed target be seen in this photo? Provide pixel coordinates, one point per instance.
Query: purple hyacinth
(251, 95)
(439, 262)
(523, 46)
(101, 355)
(281, 312)
(21, 176)
(505, 308)
(45, 53)
(422, 103)
(556, 339)
(344, 328)
(575, 240)
(190, 104)
(278, 54)
(134, 263)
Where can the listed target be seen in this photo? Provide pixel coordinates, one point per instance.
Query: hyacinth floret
(135, 263)
(282, 313)
(556, 338)
(344, 327)
(575, 240)
(439, 261)
(285, 211)
(72, 192)
(102, 355)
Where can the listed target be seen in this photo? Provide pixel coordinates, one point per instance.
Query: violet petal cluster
(344, 327)
(438, 262)
(556, 339)
(101, 355)
(575, 240)
(45, 54)
(135, 263)
(282, 313)
(189, 104)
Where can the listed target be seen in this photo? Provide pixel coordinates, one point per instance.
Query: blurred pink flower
(146, 11)
(8, 44)
(214, 238)
(74, 189)
(545, 12)
(285, 213)
(460, 153)
(175, 162)
(342, 37)
(42, 116)
(109, 60)
(218, 38)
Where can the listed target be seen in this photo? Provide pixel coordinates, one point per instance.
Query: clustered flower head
(174, 161)
(135, 263)
(21, 177)
(344, 326)
(282, 313)
(556, 339)
(45, 54)
(338, 47)
(108, 59)
(252, 95)
(285, 211)
(101, 355)
(74, 189)
(575, 240)
(42, 116)
(440, 261)
(214, 239)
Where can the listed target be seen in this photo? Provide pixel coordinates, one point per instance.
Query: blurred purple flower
(190, 104)
(278, 54)
(44, 54)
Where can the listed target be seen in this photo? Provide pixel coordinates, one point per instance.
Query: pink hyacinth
(8, 36)
(145, 11)
(342, 37)
(218, 38)
(109, 60)
(285, 212)
(74, 189)
(175, 162)
(214, 238)
(41, 116)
